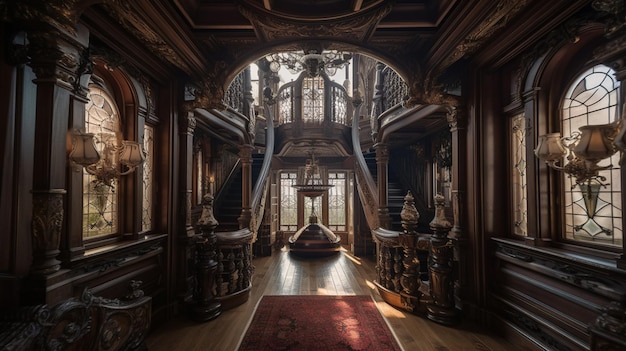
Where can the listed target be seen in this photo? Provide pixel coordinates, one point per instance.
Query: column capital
(455, 118)
(187, 122)
(382, 152)
(52, 42)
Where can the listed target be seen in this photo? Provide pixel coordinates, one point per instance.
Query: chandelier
(108, 163)
(311, 61)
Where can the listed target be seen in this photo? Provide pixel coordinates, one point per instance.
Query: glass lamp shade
(596, 142)
(132, 154)
(84, 150)
(550, 147)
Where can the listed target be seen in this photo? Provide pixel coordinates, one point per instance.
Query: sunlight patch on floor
(390, 312)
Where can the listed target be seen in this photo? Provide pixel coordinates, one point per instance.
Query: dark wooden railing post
(382, 161)
(440, 262)
(410, 279)
(245, 154)
(207, 307)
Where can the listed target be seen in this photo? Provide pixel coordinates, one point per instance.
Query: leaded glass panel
(337, 201)
(518, 174)
(339, 113)
(100, 202)
(313, 100)
(288, 202)
(148, 178)
(285, 105)
(593, 209)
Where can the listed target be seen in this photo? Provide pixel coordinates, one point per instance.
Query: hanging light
(310, 61)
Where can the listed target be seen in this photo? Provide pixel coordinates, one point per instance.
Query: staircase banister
(227, 179)
(369, 195)
(386, 236)
(261, 186)
(232, 238)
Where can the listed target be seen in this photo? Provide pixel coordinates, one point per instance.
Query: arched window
(100, 198)
(592, 210)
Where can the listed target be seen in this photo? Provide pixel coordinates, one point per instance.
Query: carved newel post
(207, 307)
(410, 279)
(442, 310)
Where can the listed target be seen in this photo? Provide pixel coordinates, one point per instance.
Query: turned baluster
(207, 307)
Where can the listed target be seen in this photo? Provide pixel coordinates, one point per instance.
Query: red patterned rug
(318, 322)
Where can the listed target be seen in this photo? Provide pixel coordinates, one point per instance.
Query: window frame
(132, 117)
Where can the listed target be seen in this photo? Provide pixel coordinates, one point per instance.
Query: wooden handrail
(368, 192)
(261, 186)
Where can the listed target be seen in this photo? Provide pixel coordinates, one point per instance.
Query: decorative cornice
(505, 10)
(355, 28)
(127, 17)
(61, 14)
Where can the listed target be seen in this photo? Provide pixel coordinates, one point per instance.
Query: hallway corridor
(342, 274)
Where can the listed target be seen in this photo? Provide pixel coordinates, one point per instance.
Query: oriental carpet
(318, 322)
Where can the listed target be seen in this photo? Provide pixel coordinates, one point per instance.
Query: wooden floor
(342, 274)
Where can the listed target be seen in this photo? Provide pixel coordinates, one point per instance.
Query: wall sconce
(584, 150)
(106, 164)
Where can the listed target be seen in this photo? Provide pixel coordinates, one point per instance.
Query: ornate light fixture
(108, 163)
(584, 149)
(310, 61)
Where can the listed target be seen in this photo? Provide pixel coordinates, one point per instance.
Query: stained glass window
(593, 209)
(288, 202)
(313, 100)
(337, 201)
(100, 199)
(148, 174)
(519, 189)
(285, 105)
(339, 114)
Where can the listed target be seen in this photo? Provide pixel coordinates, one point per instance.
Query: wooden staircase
(395, 190)
(228, 201)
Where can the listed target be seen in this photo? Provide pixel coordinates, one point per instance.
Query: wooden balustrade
(399, 278)
(233, 280)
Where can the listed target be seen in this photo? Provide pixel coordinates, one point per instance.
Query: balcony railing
(313, 101)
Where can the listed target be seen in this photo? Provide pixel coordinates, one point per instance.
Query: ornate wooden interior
(464, 224)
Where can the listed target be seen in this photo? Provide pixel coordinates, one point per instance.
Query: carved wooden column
(382, 163)
(185, 236)
(245, 153)
(60, 63)
(207, 307)
(459, 174)
(440, 267)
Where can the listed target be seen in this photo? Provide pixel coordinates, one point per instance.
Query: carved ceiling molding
(424, 89)
(61, 14)
(209, 93)
(499, 18)
(127, 17)
(355, 28)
